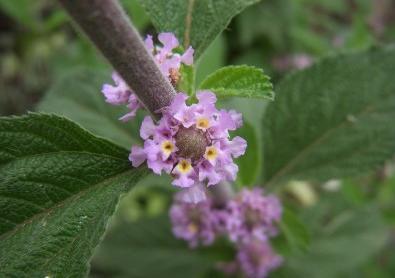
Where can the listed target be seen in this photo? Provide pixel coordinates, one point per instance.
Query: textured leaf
(195, 22)
(78, 97)
(334, 119)
(239, 81)
(147, 248)
(59, 185)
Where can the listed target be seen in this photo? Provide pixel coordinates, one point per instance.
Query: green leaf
(249, 162)
(239, 81)
(23, 11)
(147, 248)
(77, 95)
(194, 22)
(212, 59)
(332, 120)
(59, 185)
(187, 81)
(296, 235)
(137, 14)
(340, 244)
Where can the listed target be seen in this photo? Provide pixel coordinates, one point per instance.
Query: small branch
(107, 25)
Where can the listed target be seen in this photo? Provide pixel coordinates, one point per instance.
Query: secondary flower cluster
(192, 143)
(169, 63)
(248, 220)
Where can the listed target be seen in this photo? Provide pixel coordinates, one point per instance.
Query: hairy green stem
(109, 28)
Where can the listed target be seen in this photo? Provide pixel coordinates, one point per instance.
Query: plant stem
(109, 28)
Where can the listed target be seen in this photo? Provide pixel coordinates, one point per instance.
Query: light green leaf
(78, 96)
(59, 185)
(239, 81)
(332, 120)
(147, 248)
(212, 59)
(194, 22)
(187, 81)
(249, 162)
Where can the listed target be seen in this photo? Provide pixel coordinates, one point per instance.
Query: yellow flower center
(167, 147)
(202, 123)
(211, 153)
(193, 228)
(184, 166)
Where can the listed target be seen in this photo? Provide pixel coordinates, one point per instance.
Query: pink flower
(166, 143)
(117, 94)
(168, 61)
(252, 216)
(194, 194)
(257, 259)
(193, 222)
(244, 219)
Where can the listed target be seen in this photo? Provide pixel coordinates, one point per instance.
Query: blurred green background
(349, 225)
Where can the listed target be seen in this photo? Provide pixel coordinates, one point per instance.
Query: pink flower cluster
(169, 63)
(192, 143)
(248, 220)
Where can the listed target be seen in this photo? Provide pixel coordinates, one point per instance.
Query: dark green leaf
(59, 185)
(23, 11)
(147, 248)
(195, 22)
(239, 81)
(340, 245)
(78, 96)
(334, 119)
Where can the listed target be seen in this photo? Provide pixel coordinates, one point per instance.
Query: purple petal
(118, 94)
(151, 149)
(207, 171)
(187, 57)
(158, 165)
(237, 118)
(230, 171)
(170, 63)
(168, 40)
(137, 156)
(178, 103)
(237, 146)
(147, 128)
(149, 43)
(183, 181)
(194, 194)
(206, 97)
